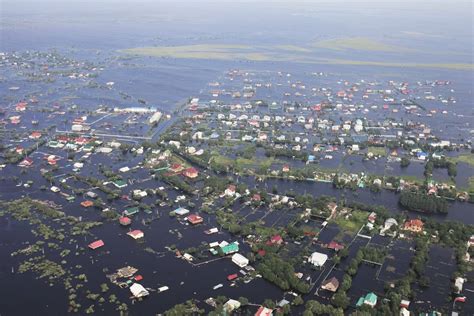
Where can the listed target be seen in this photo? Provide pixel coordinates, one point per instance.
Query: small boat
(218, 286)
(211, 231)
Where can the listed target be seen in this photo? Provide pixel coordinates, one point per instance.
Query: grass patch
(359, 43)
(466, 158)
(470, 185)
(377, 151)
(203, 51)
(293, 48)
(352, 224)
(221, 160)
(452, 66)
(286, 53)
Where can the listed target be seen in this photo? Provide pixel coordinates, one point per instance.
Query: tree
(452, 171)
(269, 303)
(243, 301)
(404, 162)
(298, 301)
(340, 300)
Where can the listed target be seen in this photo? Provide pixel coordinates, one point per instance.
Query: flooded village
(236, 158)
(266, 192)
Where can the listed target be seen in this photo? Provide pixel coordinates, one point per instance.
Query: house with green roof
(229, 248)
(131, 211)
(120, 184)
(369, 299)
(87, 147)
(53, 144)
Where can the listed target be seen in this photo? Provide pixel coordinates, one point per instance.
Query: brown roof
(331, 284)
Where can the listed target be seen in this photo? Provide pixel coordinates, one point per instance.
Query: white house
(318, 259)
(240, 260)
(138, 290)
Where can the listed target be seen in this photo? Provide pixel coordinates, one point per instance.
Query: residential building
(318, 259)
(370, 299)
(138, 290)
(413, 225)
(96, 244)
(194, 219)
(240, 260)
(331, 284)
(136, 234)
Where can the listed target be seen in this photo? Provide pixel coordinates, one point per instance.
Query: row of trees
(415, 201)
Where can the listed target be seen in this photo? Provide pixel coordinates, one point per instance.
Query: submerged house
(370, 299)
(138, 290)
(125, 221)
(240, 260)
(131, 211)
(181, 211)
(120, 184)
(227, 249)
(87, 203)
(136, 234)
(194, 219)
(96, 244)
(27, 162)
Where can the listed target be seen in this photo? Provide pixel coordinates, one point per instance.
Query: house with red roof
(136, 234)
(125, 221)
(14, 119)
(275, 240)
(194, 219)
(263, 311)
(372, 217)
(21, 106)
(191, 173)
(81, 140)
(35, 135)
(52, 159)
(62, 138)
(96, 244)
(341, 94)
(19, 149)
(27, 162)
(78, 121)
(87, 203)
(334, 245)
(413, 225)
(138, 277)
(232, 277)
(176, 167)
(316, 107)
